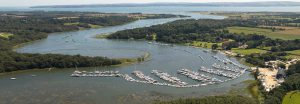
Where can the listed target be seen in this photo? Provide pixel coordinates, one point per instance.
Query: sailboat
(13, 78)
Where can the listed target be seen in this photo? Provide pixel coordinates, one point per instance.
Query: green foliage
(260, 58)
(292, 98)
(5, 35)
(248, 51)
(213, 100)
(214, 46)
(11, 61)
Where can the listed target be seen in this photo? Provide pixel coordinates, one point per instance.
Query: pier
(217, 66)
(169, 78)
(219, 72)
(95, 74)
(197, 76)
(140, 75)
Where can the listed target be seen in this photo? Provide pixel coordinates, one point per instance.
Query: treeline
(260, 59)
(207, 30)
(285, 45)
(30, 26)
(291, 83)
(11, 61)
(183, 31)
(213, 100)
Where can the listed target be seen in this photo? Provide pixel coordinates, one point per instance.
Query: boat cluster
(169, 78)
(96, 74)
(219, 72)
(197, 76)
(157, 43)
(140, 75)
(222, 60)
(129, 78)
(227, 61)
(217, 66)
(171, 81)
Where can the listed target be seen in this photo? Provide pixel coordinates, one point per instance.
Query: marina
(140, 75)
(95, 74)
(197, 76)
(168, 78)
(219, 72)
(227, 68)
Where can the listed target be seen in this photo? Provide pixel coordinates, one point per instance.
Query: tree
(214, 46)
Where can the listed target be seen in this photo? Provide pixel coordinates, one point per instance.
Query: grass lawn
(101, 36)
(94, 26)
(204, 44)
(288, 34)
(292, 98)
(264, 48)
(69, 24)
(247, 51)
(77, 23)
(5, 35)
(253, 88)
(293, 54)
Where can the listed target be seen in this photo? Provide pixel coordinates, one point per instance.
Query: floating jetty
(128, 78)
(219, 72)
(197, 76)
(169, 78)
(140, 75)
(227, 61)
(201, 58)
(217, 66)
(95, 74)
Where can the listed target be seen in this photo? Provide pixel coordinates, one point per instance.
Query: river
(56, 87)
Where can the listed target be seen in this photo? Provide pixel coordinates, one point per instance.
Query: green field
(69, 24)
(5, 35)
(94, 26)
(102, 36)
(289, 34)
(292, 98)
(203, 44)
(77, 23)
(247, 51)
(293, 54)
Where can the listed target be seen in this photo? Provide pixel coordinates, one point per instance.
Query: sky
(14, 3)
